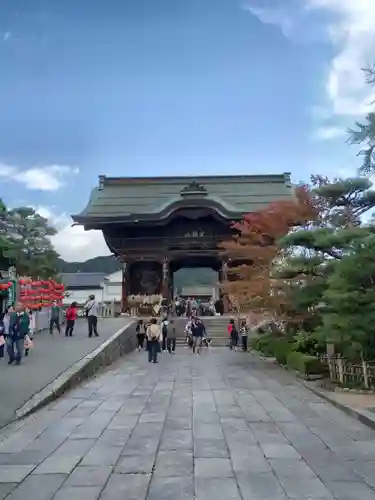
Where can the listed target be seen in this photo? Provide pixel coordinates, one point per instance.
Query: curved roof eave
(164, 211)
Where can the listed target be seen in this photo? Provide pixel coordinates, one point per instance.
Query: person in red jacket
(71, 316)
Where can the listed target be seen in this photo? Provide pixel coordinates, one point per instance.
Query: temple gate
(161, 224)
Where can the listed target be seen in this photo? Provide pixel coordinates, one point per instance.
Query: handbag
(28, 343)
(2, 340)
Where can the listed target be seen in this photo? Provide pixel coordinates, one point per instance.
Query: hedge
(273, 346)
(305, 364)
(282, 349)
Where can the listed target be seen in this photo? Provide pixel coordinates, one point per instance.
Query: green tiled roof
(124, 198)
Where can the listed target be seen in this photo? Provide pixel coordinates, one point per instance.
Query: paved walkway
(51, 356)
(220, 426)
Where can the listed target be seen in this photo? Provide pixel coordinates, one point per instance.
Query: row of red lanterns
(5, 286)
(38, 294)
(49, 283)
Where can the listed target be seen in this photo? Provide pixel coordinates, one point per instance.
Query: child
(171, 340)
(244, 333)
(139, 330)
(71, 316)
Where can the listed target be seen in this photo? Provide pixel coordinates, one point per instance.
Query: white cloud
(353, 34)
(351, 30)
(274, 16)
(6, 36)
(73, 243)
(47, 178)
(328, 133)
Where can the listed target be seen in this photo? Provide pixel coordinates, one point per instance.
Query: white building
(106, 288)
(112, 287)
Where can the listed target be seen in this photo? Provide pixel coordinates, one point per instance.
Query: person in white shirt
(92, 310)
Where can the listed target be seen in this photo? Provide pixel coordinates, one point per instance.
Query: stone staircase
(216, 327)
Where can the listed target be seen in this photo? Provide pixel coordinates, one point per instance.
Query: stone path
(220, 426)
(51, 356)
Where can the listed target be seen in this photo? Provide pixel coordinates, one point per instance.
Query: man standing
(92, 309)
(55, 318)
(153, 338)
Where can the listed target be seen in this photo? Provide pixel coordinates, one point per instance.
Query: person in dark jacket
(233, 335)
(19, 325)
(198, 330)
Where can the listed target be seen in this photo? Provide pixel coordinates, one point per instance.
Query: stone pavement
(51, 356)
(219, 426)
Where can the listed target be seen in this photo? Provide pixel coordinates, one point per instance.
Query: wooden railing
(347, 373)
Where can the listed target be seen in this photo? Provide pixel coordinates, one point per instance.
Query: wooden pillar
(165, 279)
(125, 287)
(223, 278)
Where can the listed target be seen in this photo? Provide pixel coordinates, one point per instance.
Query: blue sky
(163, 87)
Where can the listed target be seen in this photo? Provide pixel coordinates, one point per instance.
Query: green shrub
(266, 346)
(305, 364)
(269, 345)
(281, 351)
(261, 343)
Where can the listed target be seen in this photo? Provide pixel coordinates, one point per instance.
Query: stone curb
(120, 343)
(364, 416)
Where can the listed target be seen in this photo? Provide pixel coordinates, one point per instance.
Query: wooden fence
(347, 373)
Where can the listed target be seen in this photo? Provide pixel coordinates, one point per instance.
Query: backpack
(165, 329)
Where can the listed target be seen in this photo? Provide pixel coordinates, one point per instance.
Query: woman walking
(71, 316)
(139, 330)
(28, 344)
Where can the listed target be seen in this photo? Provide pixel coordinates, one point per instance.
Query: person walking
(244, 331)
(4, 328)
(153, 338)
(139, 330)
(2, 335)
(164, 332)
(198, 330)
(18, 329)
(172, 336)
(28, 344)
(55, 318)
(71, 316)
(233, 335)
(92, 309)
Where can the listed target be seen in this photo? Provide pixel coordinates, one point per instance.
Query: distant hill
(109, 264)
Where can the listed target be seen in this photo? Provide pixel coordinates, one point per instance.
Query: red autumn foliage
(254, 249)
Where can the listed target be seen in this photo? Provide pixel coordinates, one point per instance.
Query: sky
(174, 87)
